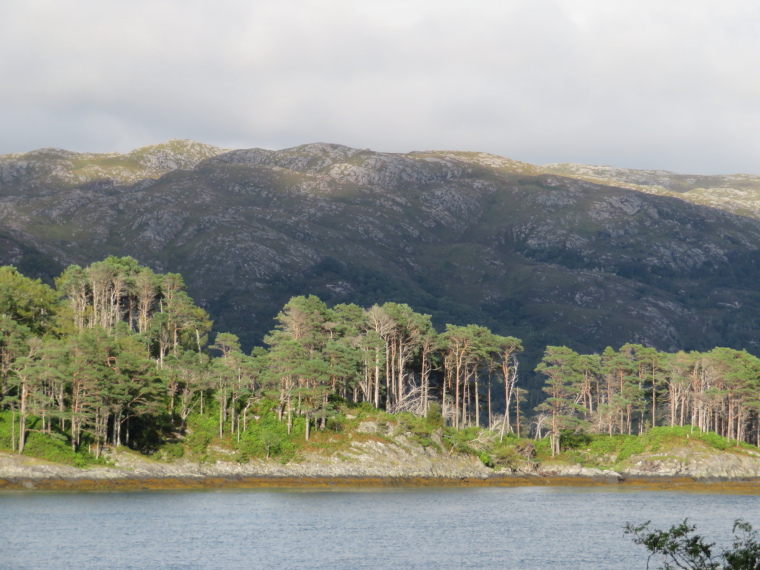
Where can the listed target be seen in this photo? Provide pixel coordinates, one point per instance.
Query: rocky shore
(376, 463)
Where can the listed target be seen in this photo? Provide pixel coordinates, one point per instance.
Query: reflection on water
(527, 527)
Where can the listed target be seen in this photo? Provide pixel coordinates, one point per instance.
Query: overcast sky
(667, 84)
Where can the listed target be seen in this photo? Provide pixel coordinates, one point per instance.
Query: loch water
(521, 528)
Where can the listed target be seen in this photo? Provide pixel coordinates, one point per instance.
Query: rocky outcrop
(571, 470)
(700, 463)
(370, 458)
(372, 461)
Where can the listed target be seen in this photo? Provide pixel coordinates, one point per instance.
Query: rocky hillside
(735, 193)
(561, 254)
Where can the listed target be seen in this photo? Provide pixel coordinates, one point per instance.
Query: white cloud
(643, 83)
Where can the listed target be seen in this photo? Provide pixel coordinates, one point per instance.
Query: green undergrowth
(596, 450)
(266, 437)
(54, 446)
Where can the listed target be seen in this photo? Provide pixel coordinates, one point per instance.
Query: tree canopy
(117, 354)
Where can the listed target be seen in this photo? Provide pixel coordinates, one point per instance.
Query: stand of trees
(636, 387)
(116, 354)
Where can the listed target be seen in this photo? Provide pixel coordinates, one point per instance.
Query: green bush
(631, 446)
(362, 409)
(658, 436)
(421, 429)
(486, 459)
(542, 447)
(505, 454)
(434, 416)
(714, 440)
(173, 451)
(197, 442)
(201, 431)
(267, 437)
(569, 439)
(607, 445)
(5, 431)
(206, 423)
(53, 449)
(460, 440)
(336, 423)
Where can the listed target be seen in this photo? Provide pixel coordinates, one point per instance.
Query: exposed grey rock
(698, 464)
(400, 458)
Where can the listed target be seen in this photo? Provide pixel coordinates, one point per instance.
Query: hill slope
(562, 254)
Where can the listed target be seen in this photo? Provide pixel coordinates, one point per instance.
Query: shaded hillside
(544, 254)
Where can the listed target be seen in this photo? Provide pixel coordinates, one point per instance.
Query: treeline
(116, 354)
(87, 360)
(636, 387)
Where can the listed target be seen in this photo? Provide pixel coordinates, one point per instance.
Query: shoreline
(374, 464)
(749, 486)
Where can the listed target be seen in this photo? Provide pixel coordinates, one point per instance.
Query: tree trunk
(377, 378)
(22, 418)
(490, 416)
(517, 412)
(13, 429)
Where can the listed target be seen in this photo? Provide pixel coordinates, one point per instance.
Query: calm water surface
(522, 528)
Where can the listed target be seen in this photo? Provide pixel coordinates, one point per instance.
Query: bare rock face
(696, 463)
(565, 470)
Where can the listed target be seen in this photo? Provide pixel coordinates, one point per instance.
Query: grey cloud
(644, 83)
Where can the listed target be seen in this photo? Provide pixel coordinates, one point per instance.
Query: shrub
(679, 547)
(714, 440)
(631, 446)
(542, 447)
(5, 431)
(485, 458)
(505, 455)
(198, 442)
(54, 449)
(173, 451)
(607, 445)
(569, 439)
(460, 440)
(434, 416)
(266, 438)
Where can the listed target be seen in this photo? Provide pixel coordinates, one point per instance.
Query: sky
(654, 84)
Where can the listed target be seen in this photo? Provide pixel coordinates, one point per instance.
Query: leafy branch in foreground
(681, 548)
